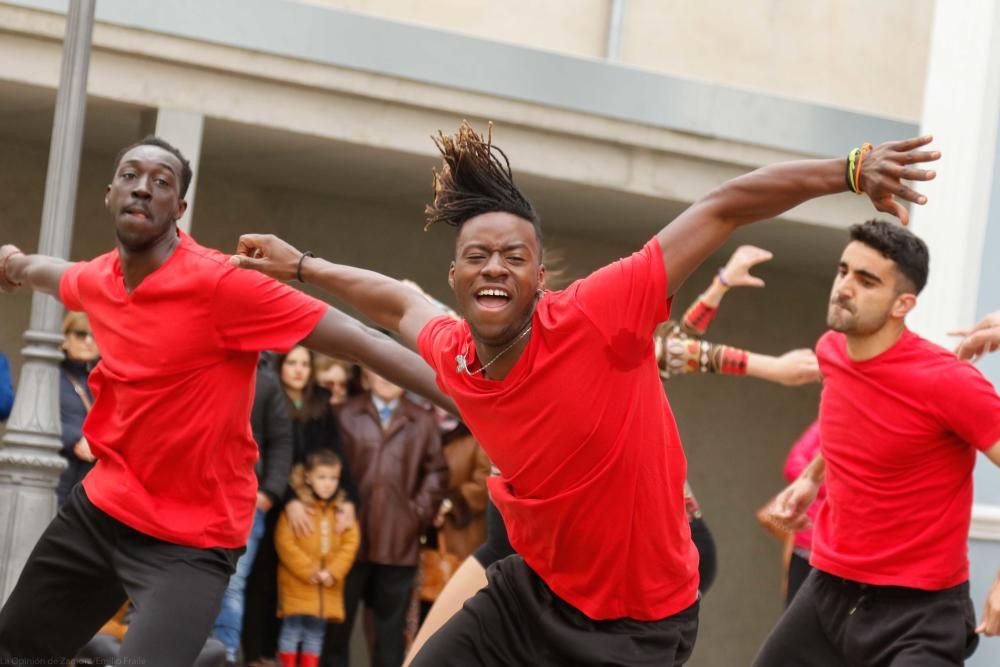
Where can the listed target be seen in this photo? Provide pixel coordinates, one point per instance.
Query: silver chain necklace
(463, 365)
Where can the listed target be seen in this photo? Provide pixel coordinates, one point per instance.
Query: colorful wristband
(698, 317)
(865, 149)
(852, 160)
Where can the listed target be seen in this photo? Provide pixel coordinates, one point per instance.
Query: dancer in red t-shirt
(163, 516)
(901, 420)
(562, 391)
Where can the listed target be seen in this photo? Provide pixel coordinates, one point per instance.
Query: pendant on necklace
(463, 366)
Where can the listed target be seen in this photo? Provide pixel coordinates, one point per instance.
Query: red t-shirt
(899, 433)
(170, 423)
(592, 471)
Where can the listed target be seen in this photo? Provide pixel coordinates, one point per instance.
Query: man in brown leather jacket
(394, 449)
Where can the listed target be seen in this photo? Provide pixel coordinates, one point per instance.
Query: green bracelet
(852, 164)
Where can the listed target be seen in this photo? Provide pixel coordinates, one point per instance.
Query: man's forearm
(770, 191)
(38, 272)
(338, 335)
(382, 299)
(765, 193)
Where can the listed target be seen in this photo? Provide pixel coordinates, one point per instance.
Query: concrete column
(961, 107)
(961, 225)
(29, 460)
(182, 129)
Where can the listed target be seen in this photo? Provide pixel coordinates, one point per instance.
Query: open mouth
(492, 298)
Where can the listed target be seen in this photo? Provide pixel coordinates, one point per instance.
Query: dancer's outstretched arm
(37, 272)
(340, 335)
(679, 355)
(389, 303)
(768, 192)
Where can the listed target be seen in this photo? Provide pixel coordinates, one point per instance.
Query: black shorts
(834, 622)
(517, 620)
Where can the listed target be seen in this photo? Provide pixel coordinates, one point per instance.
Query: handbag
(437, 565)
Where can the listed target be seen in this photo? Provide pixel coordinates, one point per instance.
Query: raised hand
(886, 166)
(980, 339)
(268, 254)
(736, 273)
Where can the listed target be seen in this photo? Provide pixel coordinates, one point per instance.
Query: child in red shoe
(313, 565)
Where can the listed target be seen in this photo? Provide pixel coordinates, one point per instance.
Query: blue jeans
(307, 630)
(229, 624)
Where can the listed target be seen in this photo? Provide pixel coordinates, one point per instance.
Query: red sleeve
(69, 287)
(433, 344)
(968, 404)
(627, 299)
(432, 340)
(803, 452)
(254, 312)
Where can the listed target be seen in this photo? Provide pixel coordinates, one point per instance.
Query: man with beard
(901, 420)
(164, 515)
(563, 392)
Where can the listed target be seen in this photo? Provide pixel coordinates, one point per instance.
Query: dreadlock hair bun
(475, 178)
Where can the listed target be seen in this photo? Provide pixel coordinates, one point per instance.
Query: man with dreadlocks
(563, 392)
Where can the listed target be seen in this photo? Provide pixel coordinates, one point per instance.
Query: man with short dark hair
(563, 392)
(901, 420)
(165, 513)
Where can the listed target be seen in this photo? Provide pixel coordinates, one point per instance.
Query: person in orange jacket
(312, 567)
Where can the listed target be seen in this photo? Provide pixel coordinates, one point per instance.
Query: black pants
(834, 622)
(386, 590)
(80, 572)
(517, 620)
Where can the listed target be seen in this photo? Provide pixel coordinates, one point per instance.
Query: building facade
(312, 120)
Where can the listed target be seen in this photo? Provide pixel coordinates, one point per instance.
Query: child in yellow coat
(312, 567)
